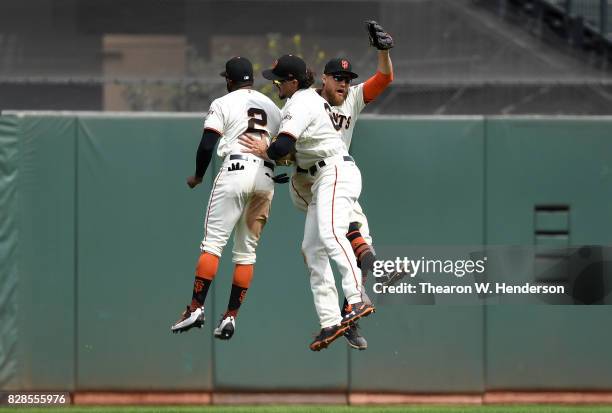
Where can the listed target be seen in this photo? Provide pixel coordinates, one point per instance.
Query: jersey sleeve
(295, 118)
(375, 85)
(275, 118)
(355, 97)
(215, 120)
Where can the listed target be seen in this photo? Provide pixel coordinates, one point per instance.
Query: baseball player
(241, 194)
(347, 102)
(308, 128)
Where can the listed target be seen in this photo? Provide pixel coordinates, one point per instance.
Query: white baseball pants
(335, 191)
(240, 199)
(300, 191)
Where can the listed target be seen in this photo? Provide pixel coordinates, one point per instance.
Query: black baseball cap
(340, 66)
(238, 69)
(287, 67)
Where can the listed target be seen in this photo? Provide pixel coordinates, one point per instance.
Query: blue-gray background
(99, 239)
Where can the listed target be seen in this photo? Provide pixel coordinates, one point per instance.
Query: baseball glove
(379, 38)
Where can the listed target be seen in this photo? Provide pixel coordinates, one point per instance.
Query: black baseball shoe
(354, 339)
(189, 319)
(225, 329)
(356, 311)
(327, 336)
(391, 278)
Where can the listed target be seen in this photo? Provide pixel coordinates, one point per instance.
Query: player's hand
(257, 147)
(280, 178)
(379, 38)
(193, 181)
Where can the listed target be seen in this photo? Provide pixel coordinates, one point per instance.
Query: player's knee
(245, 255)
(309, 241)
(212, 248)
(329, 241)
(312, 249)
(243, 259)
(301, 206)
(307, 246)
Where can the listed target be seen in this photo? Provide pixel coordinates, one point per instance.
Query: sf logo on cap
(345, 64)
(275, 64)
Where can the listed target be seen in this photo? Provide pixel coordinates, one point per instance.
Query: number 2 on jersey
(257, 117)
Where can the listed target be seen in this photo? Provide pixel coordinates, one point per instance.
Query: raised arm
(382, 41)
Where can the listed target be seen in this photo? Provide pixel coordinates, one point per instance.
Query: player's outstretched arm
(382, 41)
(203, 157)
(279, 148)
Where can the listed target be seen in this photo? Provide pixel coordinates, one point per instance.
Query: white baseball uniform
(301, 182)
(243, 189)
(335, 188)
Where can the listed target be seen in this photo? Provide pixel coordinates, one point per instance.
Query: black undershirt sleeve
(205, 151)
(283, 144)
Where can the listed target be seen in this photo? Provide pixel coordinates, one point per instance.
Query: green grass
(308, 409)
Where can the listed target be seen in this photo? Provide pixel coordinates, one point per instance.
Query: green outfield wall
(99, 237)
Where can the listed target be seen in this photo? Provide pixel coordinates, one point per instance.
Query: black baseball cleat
(354, 339)
(189, 319)
(327, 336)
(356, 311)
(225, 329)
(391, 278)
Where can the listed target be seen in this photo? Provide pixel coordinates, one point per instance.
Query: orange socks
(359, 244)
(205, 272)
(243, 274)
(206, 269)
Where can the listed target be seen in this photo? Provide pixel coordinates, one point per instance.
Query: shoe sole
(356, 317)
(224, 335)
(196, 323)
(320, 345)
